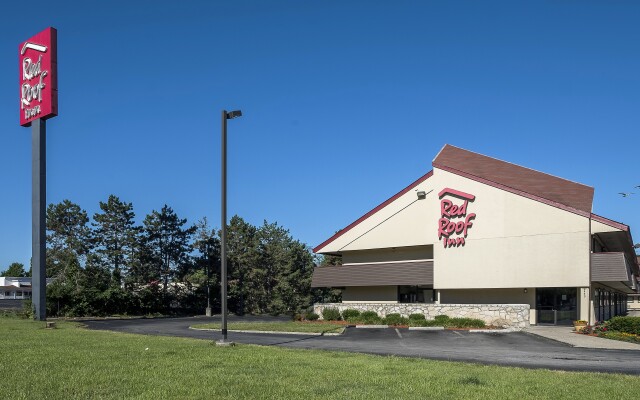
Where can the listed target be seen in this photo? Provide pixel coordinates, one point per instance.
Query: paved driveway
(513, 349)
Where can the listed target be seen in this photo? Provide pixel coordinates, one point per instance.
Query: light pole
(223, 236)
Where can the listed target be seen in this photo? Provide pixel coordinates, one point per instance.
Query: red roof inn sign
(38, 77)
(454, 222)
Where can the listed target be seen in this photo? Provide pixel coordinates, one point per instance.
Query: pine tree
(167, 241)
(245, 277)
(203, 272)
(68, 235)
(115, 236)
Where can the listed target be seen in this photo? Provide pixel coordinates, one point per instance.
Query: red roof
(516, 179)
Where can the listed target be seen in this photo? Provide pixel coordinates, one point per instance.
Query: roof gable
(372, 212)
(511, 176)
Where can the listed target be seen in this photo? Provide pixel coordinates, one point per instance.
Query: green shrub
(368, 314)
(311, 316)
(331, 314)
(623, 336)
(624, 324)
(28, 310)
(466, 323)
(423, 322)
(369, 318)
(417, 317)
(441, 318)
(395, 319)
(350, 313)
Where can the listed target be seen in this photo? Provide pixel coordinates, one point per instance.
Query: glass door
(557, 306)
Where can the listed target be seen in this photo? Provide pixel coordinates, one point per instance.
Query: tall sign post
(38, 81)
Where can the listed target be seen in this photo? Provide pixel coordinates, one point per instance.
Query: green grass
(74, 363)
(292, 326)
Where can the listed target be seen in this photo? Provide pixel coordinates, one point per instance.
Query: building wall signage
(38, 71)
(454, 222)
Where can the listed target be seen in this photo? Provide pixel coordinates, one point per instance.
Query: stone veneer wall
(504, 315)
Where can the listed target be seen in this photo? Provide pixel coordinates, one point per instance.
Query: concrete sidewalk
(567, 335)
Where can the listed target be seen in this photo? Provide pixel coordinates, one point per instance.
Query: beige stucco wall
(514, 242)
(370, 294)
(388, 255)
(598, 227)
(584, 304)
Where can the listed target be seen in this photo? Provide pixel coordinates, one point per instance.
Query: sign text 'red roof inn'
(38, 77)
(454, 222)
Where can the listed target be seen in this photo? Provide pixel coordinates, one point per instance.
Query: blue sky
(344, 103)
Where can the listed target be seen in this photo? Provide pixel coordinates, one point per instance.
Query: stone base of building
(500, 315)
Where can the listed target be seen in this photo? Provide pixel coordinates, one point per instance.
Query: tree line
(109, 264)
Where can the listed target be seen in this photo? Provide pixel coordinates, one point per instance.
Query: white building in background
(14, 288)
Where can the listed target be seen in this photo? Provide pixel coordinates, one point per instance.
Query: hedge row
(372, 318)
(624, 324)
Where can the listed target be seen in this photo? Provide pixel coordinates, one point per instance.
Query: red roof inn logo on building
(38, 77)
(454, 222)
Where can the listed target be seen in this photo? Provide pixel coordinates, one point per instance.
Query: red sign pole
(38, 69)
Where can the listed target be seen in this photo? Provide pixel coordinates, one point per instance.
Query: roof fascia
(610, 222)
(512, 190)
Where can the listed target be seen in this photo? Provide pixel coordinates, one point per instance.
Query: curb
(275, 332)
(506, 330)
(372, 326)
(426, 328)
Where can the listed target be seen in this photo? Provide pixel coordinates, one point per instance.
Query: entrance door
(557, 306)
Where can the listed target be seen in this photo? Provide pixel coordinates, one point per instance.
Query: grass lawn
(292, 326)
(71, 362)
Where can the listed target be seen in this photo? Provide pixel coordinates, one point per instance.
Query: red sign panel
(454, 222)
(39, 77)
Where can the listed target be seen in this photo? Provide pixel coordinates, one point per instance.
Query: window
(415, 294)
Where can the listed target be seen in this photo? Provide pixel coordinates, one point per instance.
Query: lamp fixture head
(234, 114)
(421, 194)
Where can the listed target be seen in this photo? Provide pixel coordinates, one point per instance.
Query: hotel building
(485, 238)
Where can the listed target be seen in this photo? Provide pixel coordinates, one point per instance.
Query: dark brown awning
(379, 274)
(613, 270)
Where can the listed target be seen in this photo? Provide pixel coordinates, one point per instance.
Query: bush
(447, 322)
(28, 310)
(369, 314)
(624, 324)
(423, 322)
(395, 319)
(623, 336)
(331, 314)
(350, 314)
(311, 316)
(417, 317)
(367, 318)
(441, 318)
(466, 323)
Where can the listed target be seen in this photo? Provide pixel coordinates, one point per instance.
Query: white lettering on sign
(32, 91)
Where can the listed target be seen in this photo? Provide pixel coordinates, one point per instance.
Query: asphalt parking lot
(512, 349)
